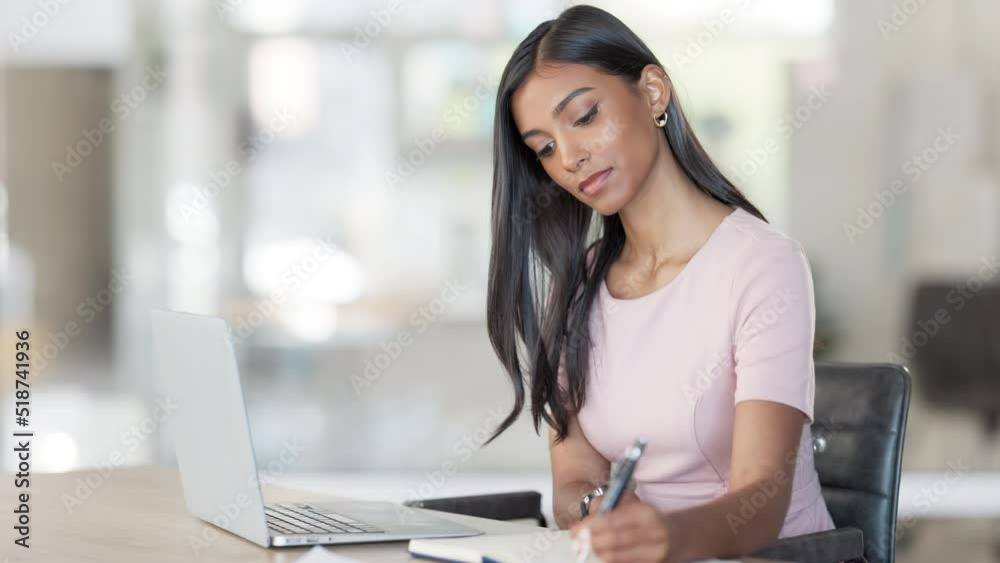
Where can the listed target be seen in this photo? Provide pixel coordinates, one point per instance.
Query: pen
(624, 474)
(617, 486)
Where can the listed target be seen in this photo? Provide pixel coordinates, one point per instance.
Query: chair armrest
(841, 544)
(499, 506)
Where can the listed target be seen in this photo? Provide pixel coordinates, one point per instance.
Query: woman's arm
(773, 326)
(750, 516)
(765, 445)
(577, 469)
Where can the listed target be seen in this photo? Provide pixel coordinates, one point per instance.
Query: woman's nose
(573, 159)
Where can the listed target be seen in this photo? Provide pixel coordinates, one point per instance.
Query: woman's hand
(633, 532)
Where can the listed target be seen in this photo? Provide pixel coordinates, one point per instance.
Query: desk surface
(138, 514)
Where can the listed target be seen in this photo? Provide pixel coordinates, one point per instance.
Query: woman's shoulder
(764, 263)
(747, 243)
(753, 239)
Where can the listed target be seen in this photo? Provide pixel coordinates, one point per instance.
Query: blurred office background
(204, 155)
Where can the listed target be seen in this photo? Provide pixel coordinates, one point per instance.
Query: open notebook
(543, 546)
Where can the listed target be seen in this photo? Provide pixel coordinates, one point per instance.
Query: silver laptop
(196, 367)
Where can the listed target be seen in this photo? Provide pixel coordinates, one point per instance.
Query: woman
(688, 320)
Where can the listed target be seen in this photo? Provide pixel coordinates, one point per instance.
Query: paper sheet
(319, 554)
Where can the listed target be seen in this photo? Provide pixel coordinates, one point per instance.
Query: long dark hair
(539, 230)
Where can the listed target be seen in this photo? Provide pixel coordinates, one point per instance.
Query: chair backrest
(858, 428)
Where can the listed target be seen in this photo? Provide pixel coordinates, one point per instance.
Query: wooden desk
(137, 515)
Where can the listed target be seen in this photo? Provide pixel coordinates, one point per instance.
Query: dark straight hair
(540, 231)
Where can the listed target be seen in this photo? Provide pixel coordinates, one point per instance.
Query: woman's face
(592, 133)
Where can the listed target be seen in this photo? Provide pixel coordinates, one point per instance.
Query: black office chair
(859, 424)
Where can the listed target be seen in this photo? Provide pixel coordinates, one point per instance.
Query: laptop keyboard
(289, 519)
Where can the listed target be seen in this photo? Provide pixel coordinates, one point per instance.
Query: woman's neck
(670, 218)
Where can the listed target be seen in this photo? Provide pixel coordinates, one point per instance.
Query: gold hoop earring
(660, 121)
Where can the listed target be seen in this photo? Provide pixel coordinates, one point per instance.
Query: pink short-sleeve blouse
(737, 323)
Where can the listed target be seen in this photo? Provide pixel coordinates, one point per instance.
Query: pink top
(737, 323)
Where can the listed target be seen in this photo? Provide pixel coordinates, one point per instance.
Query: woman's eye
(588, 117)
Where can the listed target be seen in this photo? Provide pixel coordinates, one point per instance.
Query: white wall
(939, 70)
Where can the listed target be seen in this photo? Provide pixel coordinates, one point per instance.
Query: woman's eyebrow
(559, 108)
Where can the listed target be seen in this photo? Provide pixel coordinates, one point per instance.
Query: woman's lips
(595, 182)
